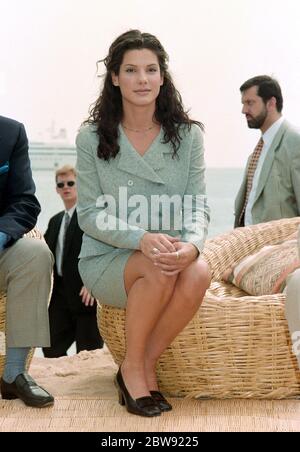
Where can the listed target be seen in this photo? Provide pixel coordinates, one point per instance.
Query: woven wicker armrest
(227, 249)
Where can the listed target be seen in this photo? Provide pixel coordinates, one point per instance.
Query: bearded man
(271, 186)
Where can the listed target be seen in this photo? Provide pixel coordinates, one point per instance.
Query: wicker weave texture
(236, 346)
(225, 250)
(32, 234)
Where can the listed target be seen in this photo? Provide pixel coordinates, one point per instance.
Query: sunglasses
(70, 183)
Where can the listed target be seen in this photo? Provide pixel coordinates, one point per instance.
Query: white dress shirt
(268, 138)
(60, 245)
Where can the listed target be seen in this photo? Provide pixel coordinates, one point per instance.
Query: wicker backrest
(225, 250)
(236, 346)
(35, 233)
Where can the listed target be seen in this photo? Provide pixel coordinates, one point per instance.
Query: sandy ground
(86, 400)
(88, 374)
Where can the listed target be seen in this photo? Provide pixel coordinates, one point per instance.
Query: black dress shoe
(143, 406)
(26, 389)
(161, 401)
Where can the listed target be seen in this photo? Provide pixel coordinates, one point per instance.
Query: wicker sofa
(32, 234)
(237, 346)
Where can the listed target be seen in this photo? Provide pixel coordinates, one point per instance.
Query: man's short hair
(267, 87)
(64, 170)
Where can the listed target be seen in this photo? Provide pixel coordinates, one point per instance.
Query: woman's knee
(142, 267)
(205, 275)
(154, 276)
(193, 284)
(198, 277)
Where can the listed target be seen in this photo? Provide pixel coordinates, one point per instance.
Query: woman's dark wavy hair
(107, 112)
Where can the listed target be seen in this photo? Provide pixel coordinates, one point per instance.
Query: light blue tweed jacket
(155, 173)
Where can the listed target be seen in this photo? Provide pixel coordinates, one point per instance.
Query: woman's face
(139, 78)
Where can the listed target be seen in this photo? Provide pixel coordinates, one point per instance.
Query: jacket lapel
(53, 232)
(267, 166)
(142, 166)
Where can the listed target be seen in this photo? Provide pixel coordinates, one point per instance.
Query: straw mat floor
(86, 401)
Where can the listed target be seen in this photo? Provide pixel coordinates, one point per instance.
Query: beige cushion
(265, 272)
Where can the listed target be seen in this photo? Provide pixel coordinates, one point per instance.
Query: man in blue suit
(25, 267)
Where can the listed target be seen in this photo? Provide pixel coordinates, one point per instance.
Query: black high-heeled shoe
(161, 401)
(143, 406)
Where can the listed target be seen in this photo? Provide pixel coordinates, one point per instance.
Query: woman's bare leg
(188, 294)
(148, 293)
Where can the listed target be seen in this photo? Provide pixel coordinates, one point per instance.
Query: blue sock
(15, 363)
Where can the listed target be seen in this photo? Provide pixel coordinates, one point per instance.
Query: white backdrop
(49, 49)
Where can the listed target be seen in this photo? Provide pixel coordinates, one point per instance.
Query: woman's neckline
(151, 145)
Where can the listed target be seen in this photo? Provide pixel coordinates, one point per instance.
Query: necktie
(67, 223)
(250, 175)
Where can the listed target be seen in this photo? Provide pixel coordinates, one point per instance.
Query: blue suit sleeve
(4, 239)
(21, 208)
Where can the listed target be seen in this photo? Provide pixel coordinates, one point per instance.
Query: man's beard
(258, 122)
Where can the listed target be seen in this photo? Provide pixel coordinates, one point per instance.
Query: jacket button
(130, 183)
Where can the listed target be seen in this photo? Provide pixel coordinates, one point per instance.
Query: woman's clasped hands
(168, 253)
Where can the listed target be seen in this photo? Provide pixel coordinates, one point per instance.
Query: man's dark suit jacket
(19, 208)
(71, 277)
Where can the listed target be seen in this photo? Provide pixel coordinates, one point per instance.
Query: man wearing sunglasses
(72, 310)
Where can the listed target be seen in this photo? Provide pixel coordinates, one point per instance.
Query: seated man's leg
(26, 270)
(292, 310)
(28, 266)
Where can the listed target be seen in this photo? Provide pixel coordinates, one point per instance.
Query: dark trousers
(67, 326)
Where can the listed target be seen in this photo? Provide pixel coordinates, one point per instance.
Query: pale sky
(49, 49)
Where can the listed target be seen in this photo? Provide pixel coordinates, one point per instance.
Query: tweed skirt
(103, 276)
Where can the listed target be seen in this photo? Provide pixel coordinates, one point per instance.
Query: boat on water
(51, 150)
(50, 156)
